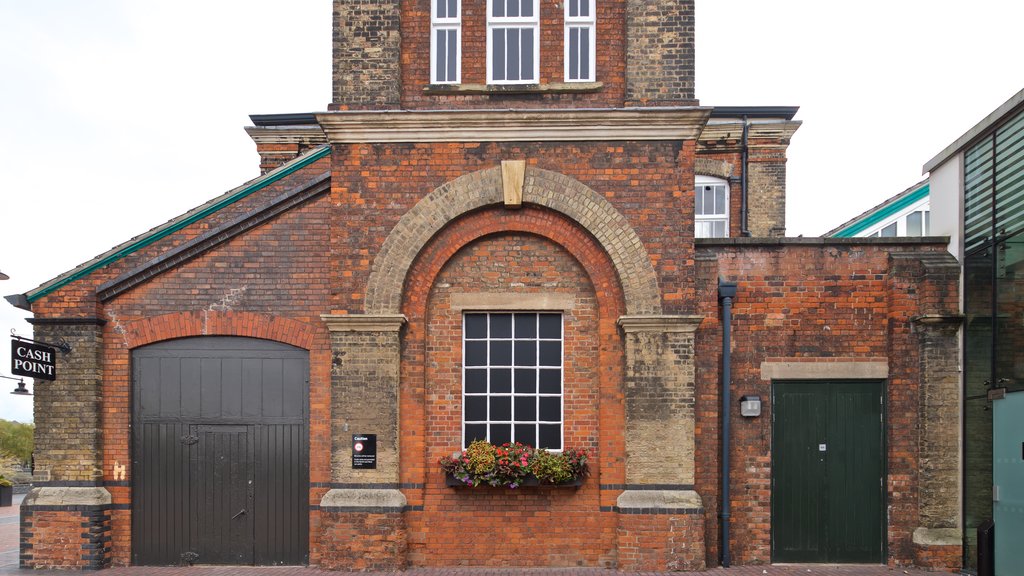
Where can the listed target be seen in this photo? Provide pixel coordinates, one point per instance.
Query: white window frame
(448, 23)
(588, 22)
(517, 22)
(513, 392)
(710, 218)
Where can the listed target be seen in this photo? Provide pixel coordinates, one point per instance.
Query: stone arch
(551, 190)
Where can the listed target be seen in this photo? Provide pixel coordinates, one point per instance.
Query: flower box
(513, 465)
(6, 495)
(530, 481)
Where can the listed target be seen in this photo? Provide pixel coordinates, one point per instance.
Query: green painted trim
(160, 234)
(886, 212)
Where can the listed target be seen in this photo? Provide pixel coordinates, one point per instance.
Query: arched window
(711, 218)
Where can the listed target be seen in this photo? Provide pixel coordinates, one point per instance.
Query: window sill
(530, 481)
(551, 88)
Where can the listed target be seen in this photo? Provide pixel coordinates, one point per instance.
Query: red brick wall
(650, 183)
(819, 302)
(72, 538)
(661, 542)
(538, 526)
(610, 65)
(363, 541)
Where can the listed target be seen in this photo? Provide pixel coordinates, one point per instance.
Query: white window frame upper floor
(497, 22)
(707, 217)
(580, 41)
(446, 67)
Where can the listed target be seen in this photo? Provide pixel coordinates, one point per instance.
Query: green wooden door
(827, 472)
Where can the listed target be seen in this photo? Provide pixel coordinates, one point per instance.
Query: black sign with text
(364, 450)
(33, 360)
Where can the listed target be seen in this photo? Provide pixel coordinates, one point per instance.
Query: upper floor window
(712, 208)
(580, 25)
(445, 41)
(512, 379)
(513, 41)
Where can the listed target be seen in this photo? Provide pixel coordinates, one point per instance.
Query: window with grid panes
(580, 25)
(513, 41)
(445, 45)
(512, 378)
(711, 200)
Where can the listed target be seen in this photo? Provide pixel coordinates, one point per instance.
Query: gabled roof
(885, 210)
(141, 241)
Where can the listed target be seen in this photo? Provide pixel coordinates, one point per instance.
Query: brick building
(514, 222)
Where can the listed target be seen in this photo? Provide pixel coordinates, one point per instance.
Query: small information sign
(33, 360)
(364, 450)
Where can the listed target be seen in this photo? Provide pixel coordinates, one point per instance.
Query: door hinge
(189, 440)
(189, 557)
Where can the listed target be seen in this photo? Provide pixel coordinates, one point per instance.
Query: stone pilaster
(661, 516)
(367, 59)
(67, 410)
(664, 28)
(362, 522)
(659, 390)
(939, 447)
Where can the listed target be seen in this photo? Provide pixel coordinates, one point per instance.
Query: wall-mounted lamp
(21, 390)
(750, 406)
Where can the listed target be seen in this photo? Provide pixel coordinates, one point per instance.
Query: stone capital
(364, 322)
(659, 323)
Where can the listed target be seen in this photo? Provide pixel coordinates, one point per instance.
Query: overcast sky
(120, 115)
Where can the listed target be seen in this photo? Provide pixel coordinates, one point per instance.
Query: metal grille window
(512, 378)
(445, 45)
(513, 41)
(712, 208)
(580, 25)
(994, 186)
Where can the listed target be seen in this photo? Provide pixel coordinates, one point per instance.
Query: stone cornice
(669, 123)
(939, 319)
(286, 134)
(760, 130)
(659, 323)
(364, 322)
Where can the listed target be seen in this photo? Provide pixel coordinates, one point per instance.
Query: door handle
(240, 512)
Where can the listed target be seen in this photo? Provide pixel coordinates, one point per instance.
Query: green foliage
(16, 440)
(5, 482)
(550, 468)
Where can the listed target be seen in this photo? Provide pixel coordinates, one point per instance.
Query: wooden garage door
(220, 452)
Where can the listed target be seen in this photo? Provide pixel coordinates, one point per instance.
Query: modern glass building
(978, 199)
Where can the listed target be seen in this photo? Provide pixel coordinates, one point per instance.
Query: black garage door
(220, 452)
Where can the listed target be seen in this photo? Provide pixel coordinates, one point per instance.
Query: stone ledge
(654, 500)
(364, 322)
(67, 496)
(355, 500)
(823, 369)
(659, 323)
(938, 536)
(511, 301)
(546, 88)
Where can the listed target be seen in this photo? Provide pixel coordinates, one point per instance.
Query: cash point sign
(33, 360)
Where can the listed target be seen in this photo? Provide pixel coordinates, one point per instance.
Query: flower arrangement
(5, 482)
(511, 465)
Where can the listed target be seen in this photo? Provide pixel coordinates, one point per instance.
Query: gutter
(726, 294)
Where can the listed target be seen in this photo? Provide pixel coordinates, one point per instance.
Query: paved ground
(9, 565)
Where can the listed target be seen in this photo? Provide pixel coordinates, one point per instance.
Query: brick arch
(557, 192)
(711, 167)
(207, 323)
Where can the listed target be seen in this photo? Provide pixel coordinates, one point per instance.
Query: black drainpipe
(726, 294)
(744, 230)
